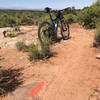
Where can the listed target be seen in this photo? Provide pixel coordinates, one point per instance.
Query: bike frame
(53, 25)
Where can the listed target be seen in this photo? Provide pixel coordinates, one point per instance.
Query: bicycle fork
(56, 27)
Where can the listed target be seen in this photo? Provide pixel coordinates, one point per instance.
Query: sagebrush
(11, 34)
(36, 52)
(88, 16)
(97, 35)
(44, 52)
(21, 46)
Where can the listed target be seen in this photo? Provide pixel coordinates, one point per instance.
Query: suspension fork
(57, 25)
(51, 22)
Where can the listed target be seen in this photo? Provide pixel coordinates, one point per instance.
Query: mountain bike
(49, 29)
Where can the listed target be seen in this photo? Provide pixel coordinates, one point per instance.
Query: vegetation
(9, 80)
(45, 47)
(34, 51)
(44, 52)
(88, 16)
(71, 18)
(11, 34)
(21, 46)
(97, 35)
(9, 18)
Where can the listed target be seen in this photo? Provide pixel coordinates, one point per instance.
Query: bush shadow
(10, 79)
(20, 33)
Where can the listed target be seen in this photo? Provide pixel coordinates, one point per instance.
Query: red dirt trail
(72, 73)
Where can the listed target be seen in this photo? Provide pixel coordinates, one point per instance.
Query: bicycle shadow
(60, 38)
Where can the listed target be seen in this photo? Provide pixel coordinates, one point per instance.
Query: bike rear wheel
(65, 31)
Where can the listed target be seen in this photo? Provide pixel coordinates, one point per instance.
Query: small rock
(1, 58)
(27, 42)
(98, 56)
(95, 44)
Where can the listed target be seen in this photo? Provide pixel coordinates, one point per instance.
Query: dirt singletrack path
(78, 72)
(73, 73)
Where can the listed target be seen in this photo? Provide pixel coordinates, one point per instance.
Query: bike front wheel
(44, 31)
(65, 31)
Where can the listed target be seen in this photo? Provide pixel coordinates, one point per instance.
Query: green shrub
(97, 35)
(36, 53)
(71, 18)
(11, 34)
(89, 16)
(27, 20)
(21, 46)
(17, 28)
(9, 18)
(45, 47)
(70, 10)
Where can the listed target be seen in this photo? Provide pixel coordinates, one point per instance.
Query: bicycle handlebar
(48, 10)
(58, 12)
